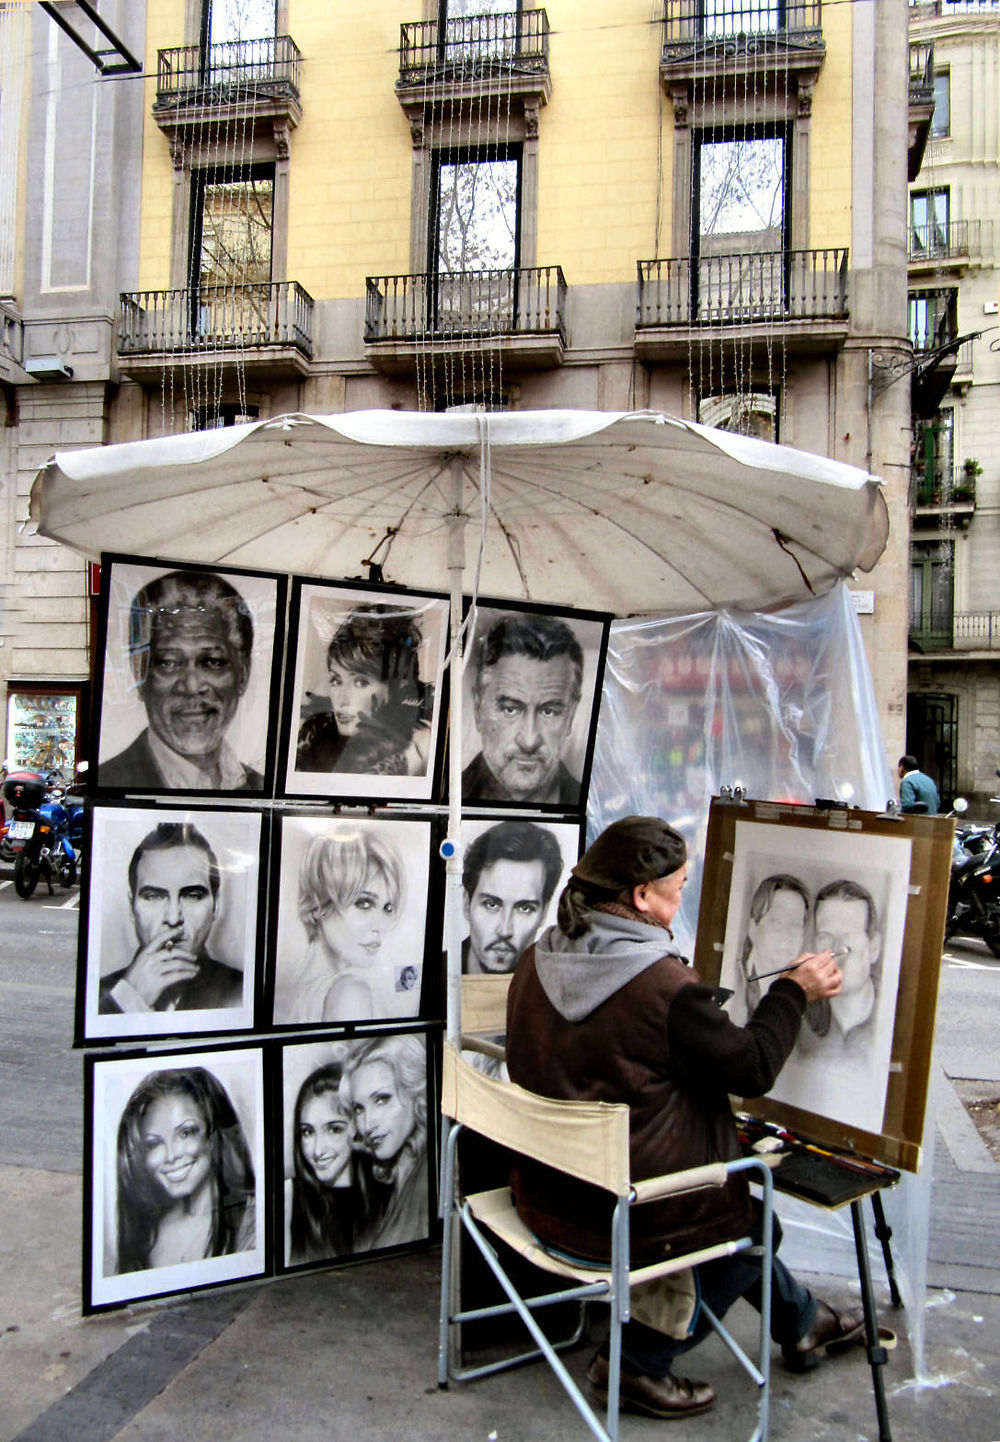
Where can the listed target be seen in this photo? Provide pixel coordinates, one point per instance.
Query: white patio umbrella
(619, 512)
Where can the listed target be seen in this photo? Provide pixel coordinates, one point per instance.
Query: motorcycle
(39, 832)
(974, 888)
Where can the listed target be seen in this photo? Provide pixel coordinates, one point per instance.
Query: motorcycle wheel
(25, 875)
(67, 874)
(990, 932)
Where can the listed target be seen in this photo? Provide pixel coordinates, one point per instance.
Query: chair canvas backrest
(484, 1003)
(587, 1140)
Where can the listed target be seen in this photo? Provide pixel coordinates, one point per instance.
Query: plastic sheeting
(783, 705)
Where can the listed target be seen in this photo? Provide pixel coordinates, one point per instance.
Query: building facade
(697, 206)
(953, 710)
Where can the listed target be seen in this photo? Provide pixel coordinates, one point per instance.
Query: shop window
(43, 727)
(929, 222)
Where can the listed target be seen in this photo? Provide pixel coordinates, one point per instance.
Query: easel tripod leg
(884, 1233)
(876, 1352)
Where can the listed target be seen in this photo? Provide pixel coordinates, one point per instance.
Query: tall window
(933, 318)
(740, 222)
(478, 29)
(475, 240)
(232, 220)
(941, 119)
(929, 222)
(932, 590)
(934, 457)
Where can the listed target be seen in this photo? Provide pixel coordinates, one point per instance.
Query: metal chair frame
(498, 1110)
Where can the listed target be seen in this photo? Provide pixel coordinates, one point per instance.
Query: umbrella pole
(452, 849)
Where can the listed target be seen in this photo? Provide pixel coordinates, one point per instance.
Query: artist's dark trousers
(720, 1284)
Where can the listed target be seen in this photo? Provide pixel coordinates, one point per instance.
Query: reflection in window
(929, 222)
(933, 318)
(934, 457)
(231, 21)
(740, 17)
(748, 413)
(932, 589)
(941, 119)
(478, 29)
(231, 250)
(741, 220)
(475, 241)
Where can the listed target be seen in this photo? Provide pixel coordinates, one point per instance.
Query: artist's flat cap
(631, 851)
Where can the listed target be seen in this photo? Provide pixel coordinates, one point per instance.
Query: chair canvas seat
(496, 1210)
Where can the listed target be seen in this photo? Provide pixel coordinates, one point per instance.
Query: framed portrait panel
(171, 922)
(531, 691)
(363, 701)
(354, 1150)
(780, 880)
(513, 872)
(349, 927)
(189, 660)
(175, 1184)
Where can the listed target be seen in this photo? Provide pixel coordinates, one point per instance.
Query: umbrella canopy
(621, 512)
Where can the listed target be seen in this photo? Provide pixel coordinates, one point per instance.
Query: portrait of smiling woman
(345, 887)
(185, 1178)
(322, 1197)
(384, 1089)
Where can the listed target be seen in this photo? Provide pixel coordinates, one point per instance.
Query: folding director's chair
(588, 1141)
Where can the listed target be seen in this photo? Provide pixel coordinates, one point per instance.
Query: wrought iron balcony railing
(467, 44)
(944, 240)
(217, 74)
(455, 304)
(933, 318)
(941, 487)
(743, 288)
(921, 74)
(732, 27)
(216, 318)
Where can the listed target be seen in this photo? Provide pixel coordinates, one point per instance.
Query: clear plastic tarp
(781, 704)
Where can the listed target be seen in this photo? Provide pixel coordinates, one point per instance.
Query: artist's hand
(164, 961)
(817, 973)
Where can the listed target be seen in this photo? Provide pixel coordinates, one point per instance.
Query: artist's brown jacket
(663, 1045)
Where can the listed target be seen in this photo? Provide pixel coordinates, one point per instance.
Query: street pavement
(352, 1353)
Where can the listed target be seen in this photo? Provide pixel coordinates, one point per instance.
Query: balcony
(795, 299)
(740, 38)
(473, 57)
(517, 317)
(967, 632)
(921, 106)
(266, 327)
(943, 245)
(228, 89)
(940, 499)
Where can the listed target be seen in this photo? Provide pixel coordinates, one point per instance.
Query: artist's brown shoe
(665, 1397)
(830, 1332)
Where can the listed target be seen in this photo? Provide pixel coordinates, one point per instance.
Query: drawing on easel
(800, 890)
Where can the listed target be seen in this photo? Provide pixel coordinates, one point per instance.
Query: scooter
(974, 888)
(38, 833)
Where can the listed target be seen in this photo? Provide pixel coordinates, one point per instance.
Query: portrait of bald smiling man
(526, 689)
(190, 648)
(174, 883)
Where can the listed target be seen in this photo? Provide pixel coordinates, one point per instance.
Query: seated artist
(602, 1008)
